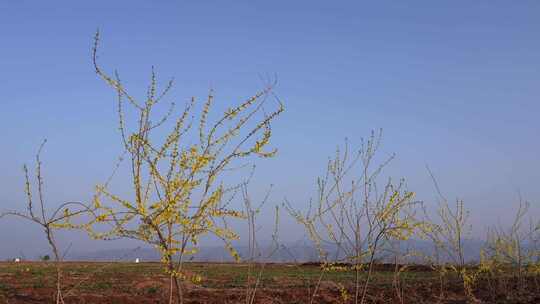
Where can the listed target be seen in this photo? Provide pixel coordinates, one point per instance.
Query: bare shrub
(49, 221)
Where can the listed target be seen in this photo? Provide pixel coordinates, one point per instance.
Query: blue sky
(455, 85)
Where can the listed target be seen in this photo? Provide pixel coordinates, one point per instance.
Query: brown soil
(226, 283)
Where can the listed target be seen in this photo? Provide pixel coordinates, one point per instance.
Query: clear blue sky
(454, 84)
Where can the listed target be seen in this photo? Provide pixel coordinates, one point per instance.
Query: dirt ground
(108, 283)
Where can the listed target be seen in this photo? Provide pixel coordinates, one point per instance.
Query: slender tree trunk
(174, 284)
(370, 270)
(58, 260)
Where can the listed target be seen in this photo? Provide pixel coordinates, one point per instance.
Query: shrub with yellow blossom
(353, 215)
(179, 192)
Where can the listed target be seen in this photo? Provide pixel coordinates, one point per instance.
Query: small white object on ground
(137, 260)
(17, 260)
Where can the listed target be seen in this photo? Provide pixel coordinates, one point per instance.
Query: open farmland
(91, 282)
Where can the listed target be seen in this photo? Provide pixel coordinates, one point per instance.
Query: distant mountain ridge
(300, 251)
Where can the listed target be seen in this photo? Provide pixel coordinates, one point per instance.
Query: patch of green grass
(4, 287)
(152, 290)
(101, 285)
